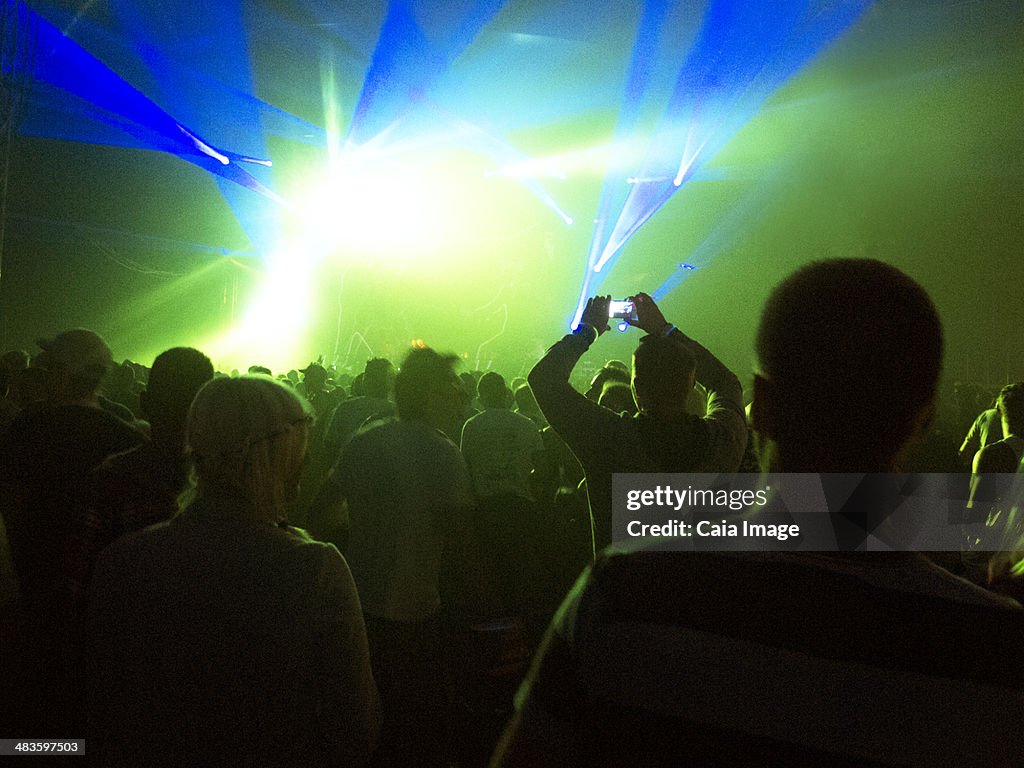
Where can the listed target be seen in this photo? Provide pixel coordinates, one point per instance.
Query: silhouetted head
(493, 391)
(14, 360)
(428, 390)
(175, 378)
(77, 360)
(617, 397)
(663, 374)
(613, 370)
(1010, 405)
(358, 385)
(849, 355)
(247, 438)
(120, 379)
(314, 378)
(378, 378)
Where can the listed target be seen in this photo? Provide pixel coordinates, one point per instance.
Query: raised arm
(568, 412)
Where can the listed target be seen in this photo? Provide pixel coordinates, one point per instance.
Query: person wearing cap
(315, 389)
(45, 459)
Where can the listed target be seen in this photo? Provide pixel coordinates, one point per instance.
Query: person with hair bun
(247, 438)
(224, 636)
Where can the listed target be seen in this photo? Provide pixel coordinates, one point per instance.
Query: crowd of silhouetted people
(412, 565)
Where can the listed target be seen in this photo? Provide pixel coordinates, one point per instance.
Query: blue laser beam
(741, 55)
(64, 71)
(409, 59)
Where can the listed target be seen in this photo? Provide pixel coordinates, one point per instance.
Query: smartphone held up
(622, 310)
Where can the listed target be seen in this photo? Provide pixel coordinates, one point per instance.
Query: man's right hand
(648, 316)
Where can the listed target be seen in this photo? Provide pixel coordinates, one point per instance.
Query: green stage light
(272, 329)
(407, 206)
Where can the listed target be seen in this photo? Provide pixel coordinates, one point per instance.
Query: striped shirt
(775, 659)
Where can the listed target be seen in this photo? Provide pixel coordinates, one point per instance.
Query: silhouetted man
(791, 658)
(1004, 455)
(407, 493)
(985, 429)
(45, 460)
(499, 445)
(48, 453)
(376, 400)
(662, 437)
(140, 487)
(991, 499)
